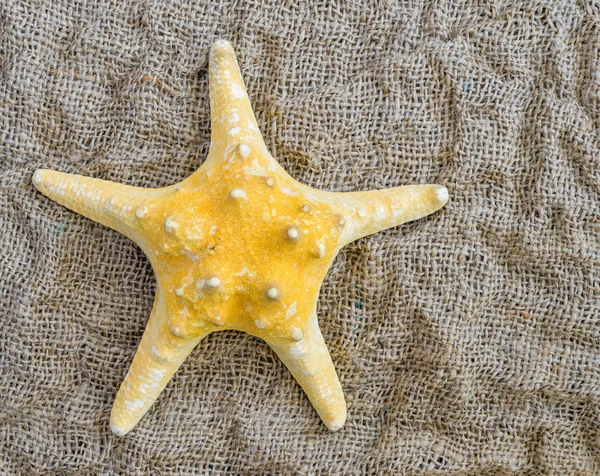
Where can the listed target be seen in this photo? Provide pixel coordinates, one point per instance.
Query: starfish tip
(38, 177)
(117, 429)
(221, 44)
(442, 194)
(336, 423)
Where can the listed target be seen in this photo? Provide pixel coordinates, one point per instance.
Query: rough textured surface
(468, 341)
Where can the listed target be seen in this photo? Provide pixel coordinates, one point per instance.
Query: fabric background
(467, 342)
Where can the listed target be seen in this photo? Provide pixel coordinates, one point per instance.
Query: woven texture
(467, 342)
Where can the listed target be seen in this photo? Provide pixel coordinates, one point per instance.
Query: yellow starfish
(240, 245)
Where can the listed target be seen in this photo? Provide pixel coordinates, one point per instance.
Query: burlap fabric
(467, 342)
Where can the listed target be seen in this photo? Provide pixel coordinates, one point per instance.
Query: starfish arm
(157, 358)
(232, 118)
(365, 213)
(310, 363)
(111, 204)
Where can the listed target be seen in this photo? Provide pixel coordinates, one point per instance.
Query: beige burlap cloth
(466, 343)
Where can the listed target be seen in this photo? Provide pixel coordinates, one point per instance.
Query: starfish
(239, 244)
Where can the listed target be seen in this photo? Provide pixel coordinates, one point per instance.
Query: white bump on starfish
(213, 283)
(341, 220)
(234, 131)
(234, 118)
(245, 150)
(270, 181)
(238, 193)
(260, 324)
(362, 212)
(293, 233)
(297, 335)
(141, 211)
(200, 284)
(177, 331)
(213, 229)
(273, 293)
(179, 291)
(288, 191)
(306, 208)
(217, 321)
(170, 225)
(320, 250)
